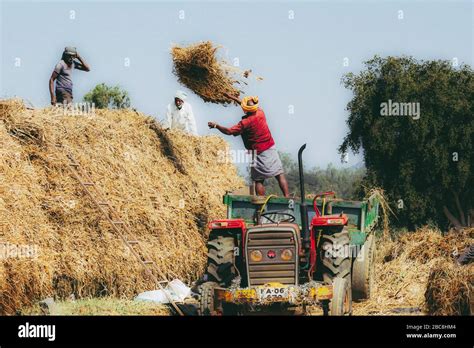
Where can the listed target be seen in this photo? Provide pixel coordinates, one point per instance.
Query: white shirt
(181, 118)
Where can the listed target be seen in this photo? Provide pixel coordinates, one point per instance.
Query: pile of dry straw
(416, 273)
(197, 67)
(166, 185)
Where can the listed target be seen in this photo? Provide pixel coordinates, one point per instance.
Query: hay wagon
(280, 253)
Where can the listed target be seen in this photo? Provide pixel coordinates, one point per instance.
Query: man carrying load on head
(179, 115)
(62, 74)
(257, 138)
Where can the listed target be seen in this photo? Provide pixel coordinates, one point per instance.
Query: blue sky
(301, 59)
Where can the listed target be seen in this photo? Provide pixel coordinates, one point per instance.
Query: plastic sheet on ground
(176, 289)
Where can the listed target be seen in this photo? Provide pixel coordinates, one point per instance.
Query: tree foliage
(107, 97)
(424, 164)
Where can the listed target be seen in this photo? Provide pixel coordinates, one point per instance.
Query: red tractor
(261, 260)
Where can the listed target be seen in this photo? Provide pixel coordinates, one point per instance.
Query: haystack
(198, 68)
(450, 289)
(403, 268)
(165, 185)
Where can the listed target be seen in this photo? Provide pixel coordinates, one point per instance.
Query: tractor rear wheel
(363, 270)
(341, 303)
(220, 262)
(335, 254)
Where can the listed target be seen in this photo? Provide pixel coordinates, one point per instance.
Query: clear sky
(298, 47)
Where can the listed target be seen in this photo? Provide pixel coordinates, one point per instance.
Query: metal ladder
(120, 227)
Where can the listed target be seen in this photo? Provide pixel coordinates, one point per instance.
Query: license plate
(274, 293)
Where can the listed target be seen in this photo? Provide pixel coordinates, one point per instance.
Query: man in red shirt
(257, 138)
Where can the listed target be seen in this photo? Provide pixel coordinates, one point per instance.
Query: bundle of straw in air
(198, 68)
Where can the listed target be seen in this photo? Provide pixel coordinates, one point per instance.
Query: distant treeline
(345, 181)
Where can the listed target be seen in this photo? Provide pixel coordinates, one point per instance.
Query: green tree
(424, 163)
(107, 97)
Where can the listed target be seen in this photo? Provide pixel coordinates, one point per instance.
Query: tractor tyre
(207, 301)
(363, 270)
(210, 305)
(220, 260)
(335, 255)
(341, 302)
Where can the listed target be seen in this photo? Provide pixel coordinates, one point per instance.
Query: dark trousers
(63, 97)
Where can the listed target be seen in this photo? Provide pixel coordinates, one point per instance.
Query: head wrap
(181, 95)
(249, 108)
(70, 51)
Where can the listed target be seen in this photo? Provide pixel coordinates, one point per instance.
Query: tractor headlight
(286, 255)
(256, 255)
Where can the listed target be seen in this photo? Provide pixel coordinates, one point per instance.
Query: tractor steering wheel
(290, 218)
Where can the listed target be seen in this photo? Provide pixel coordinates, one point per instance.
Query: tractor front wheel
(341, 303)
(208, 304)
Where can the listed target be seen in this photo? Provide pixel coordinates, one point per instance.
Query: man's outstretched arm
(223, 130)
(234, 98)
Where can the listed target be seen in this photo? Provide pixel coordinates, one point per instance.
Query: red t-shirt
(255, 132)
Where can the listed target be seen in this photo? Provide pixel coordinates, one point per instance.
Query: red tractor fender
(327, 220)
(226, 224)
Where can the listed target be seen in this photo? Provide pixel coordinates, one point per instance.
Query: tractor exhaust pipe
(303, 208)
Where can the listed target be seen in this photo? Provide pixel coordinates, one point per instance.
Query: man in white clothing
(180, 115)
